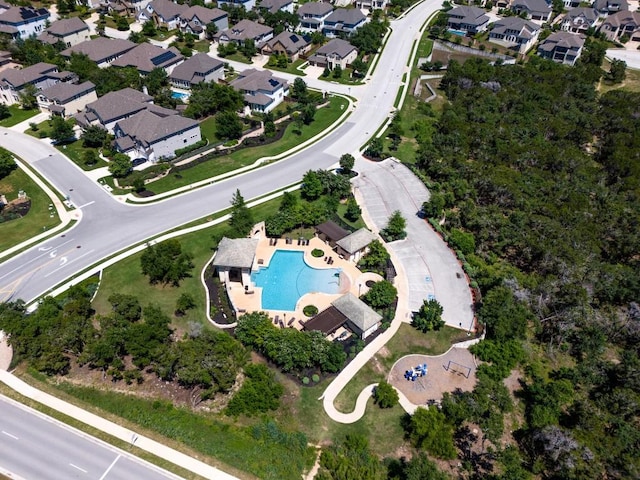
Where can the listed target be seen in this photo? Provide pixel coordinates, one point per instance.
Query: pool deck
(351, 279)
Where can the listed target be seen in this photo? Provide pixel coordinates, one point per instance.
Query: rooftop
(195, 68)
(145, 57)
(356, 241)
(63, 92)
(236, 252)
(101, 48)
(358, 312)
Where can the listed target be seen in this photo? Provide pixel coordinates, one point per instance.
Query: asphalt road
(109, 226)
(34, 446)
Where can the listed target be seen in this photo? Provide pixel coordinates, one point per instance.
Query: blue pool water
(288, 277)
(460, 33)
(180, 95)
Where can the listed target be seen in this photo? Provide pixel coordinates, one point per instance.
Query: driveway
(432, 270)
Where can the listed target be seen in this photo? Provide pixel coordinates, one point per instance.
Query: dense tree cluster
(291, 349)
(211, 98)
(260, 392)
(7, 163)
(166, 263)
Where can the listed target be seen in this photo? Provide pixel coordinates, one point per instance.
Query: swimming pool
(179, 95)
(460, 33)
(288, 277)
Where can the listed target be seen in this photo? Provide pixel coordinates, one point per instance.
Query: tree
(27, 96)
(94, 136)
(248, 48)
(185, 302)
(241, 219)
(120, 165)
(395, 229)
(347, 161)
(90, 157)
(166, 263)
(337, 71)
(149, 29)
(61, 130)
(299, 90)
(228, 125)
(156, 80)
(385, 396)
(211, 30)
(376, 258)
(359, 67)
(350, 459)
(381, 295)
(504, 317)
(260, 392)
(307, 113)
(375, 148)
(617, 71)
(7, 163)
(429, 429)
(312, 187)
(137, 37)
(429, 317)
(4, 111)
(353, 211)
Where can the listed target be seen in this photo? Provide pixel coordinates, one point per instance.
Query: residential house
(245, 30)
(41, 76)
(102, 50)
(537, 10)
(274, 6)
(144, 57)
(622, 24)
(333, 53)
(579, 20)
(246, 4)
(371, 4)
(199, 68)
(117, 106)
(608, 7)
(354, 245)
(68, 31)
(515, 32)
(164, 13)
(194, 20)
(312, 16)
(262, 91)
(154, 136)
(67, 99)
(126, 7)
(471, 20)
(286, 43)
(562, 47)
(568, 4)
(348, 311)
(343, 20)
(234, 259)
(23, 22)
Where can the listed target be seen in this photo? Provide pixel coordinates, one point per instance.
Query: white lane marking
(104, 475)
(9, 435)
(86, 204)
(44, 249)
(54, 253)
(77, 467)
(68, 263)
(32, 260)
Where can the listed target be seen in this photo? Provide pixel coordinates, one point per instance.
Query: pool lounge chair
(290, 322)
(276, 319)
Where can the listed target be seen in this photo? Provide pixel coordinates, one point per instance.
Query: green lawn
(345, 78)
(237, 57)
(17, 115)
(342, 208)
(36, 221)
(75, 151)
(292, 68)
(208, 129)
(247, 156)
(43, 130)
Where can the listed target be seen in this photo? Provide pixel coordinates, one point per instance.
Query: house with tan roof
(66, 99)
(199, 68)
(333, 53)
(579, 20)
(312, 16)
(245, 30)
(195, 19)
(562, 47)
(292, 45)
(515, 32)
(102, 50)
(622, 24)
(68, 31)
(343, 21)
(41, 76)
(262, 91)
(149, 135)
(144, 57)
(23, 22)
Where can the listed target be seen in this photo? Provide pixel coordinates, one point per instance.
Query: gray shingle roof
(205, 15)
(525, 28)
(274, 5)
(145, 57)
(337, 47)
(148, 128)
(236, 252)
(314, 9)
(166, 9)
(63, 92)
(358, 312)
(101, 48)
(67, 26)
(292, 42)
(18, 78)
(356, 241)
(588, 13)
(118, 104)
(253, 80)
(349, 16)
(194, 69)
(469, 15)
(562, 39)
(18, 15)
(244, 30)
(533, 5)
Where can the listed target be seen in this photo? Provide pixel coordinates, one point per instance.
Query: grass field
(75, 151)
(36, 221)
(292, 67)
(17, 115)
(247, 156)
(631, 81)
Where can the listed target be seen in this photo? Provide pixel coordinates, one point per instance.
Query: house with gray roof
(579, 20)
(163, 13)
(274, 6)
(199, 68)
(292, 45)
(515, 32)
(194, 20)
(355, 245)
(536, 10)
(333, 53)
(622, 24)
(102, 50)
(246, 4)
(123, 7)
(116, 106)
(312, 16)
(262, 91)
(234, 259)
(23, 22)
(41, 76)
(361, 318)
(68, 31)
(562, 47)
(245, 30)
(371, 4)
(609, 7)
(144, 57)
(153, 136)
(467, 19)
(66, 99)
(343, 21)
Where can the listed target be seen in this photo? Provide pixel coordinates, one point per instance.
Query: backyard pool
(288, 277)
(460, 33)
(179, 95)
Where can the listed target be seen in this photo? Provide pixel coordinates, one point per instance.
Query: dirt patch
(15, 209)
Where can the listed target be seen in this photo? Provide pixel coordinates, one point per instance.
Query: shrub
(315, 378)
(310, 310)
(385, 396)
(305, 380)
(317, 253)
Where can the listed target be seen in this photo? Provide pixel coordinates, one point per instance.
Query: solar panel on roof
(164, 57)
(293, 37)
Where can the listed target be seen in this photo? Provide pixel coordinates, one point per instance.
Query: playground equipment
(416, 372)
(458, 368)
